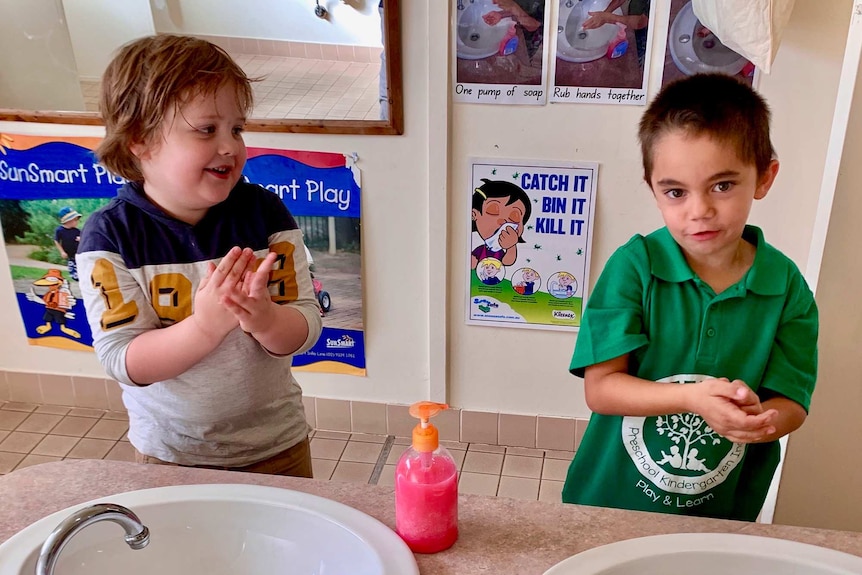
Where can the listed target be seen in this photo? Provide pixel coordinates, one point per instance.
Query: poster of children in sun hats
(49, 186)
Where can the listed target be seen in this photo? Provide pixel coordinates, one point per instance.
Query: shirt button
(710, 332)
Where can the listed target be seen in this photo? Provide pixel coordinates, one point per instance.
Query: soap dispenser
(426, 487)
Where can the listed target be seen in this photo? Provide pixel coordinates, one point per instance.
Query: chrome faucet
(137, 534)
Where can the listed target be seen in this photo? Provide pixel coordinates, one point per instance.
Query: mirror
(327, 66)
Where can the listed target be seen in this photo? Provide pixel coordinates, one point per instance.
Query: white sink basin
(709, 554)
(221, 530)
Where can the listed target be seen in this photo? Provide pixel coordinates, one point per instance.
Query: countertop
(497, 535)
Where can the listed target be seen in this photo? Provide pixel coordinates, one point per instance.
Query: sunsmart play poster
(46, 180)
(530, 242)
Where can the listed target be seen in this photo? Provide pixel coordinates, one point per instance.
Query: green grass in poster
(535, 309)
(28, 273)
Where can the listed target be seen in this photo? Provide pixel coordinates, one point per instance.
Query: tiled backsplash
(314, 51)
(466, 426)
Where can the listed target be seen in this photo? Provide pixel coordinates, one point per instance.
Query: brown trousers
(295, 462)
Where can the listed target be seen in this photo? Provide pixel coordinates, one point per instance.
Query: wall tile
(368, 417)
(556, 433)
(448, 423)
(24, 387)
(398, 420)
(250, 46)
(308, 403)
(329, 51)
(478, 427)
(90, 392)
(234, 46)
(57, 389)
(517, 430)
(346, 53)
(313, 51)
(115, 396)
(282, 48)
(333, 414)
(297, 50)
(580, 428)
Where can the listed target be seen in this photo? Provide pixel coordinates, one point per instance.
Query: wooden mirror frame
(394, 125)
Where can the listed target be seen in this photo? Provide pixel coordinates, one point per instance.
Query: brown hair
(716, 105)
(146, 79)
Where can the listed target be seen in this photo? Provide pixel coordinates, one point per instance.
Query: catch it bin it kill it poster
(530, 236)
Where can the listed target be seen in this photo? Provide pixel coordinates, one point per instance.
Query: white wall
(534, 378)
(821, 479)
(36, 60)
(94, 42)
(272, 20)
(417, 343)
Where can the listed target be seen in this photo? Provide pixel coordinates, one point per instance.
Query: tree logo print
(690, 430)
(680, 453)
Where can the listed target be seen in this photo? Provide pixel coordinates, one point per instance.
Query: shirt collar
(767, 276)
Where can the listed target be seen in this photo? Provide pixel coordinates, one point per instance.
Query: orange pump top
(425, 436)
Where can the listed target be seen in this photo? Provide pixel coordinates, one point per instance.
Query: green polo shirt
(648, 303)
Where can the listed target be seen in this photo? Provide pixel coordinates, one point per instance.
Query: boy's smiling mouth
(220, 171)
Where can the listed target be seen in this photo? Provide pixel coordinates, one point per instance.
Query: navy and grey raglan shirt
(139, 271)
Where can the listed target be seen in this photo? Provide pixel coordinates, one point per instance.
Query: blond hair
(150, 76)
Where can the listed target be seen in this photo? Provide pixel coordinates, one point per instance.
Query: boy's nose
(701, 207)
(229, 145)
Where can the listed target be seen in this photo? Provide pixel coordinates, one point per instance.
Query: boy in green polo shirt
(704, 302)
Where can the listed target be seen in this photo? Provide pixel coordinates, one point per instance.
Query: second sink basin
(222, 530)
(709, 554)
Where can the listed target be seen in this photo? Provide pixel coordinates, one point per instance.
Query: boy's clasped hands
(233, 294)
(732, 409)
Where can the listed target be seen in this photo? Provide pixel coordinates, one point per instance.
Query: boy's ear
(138, 149)
(765, 180)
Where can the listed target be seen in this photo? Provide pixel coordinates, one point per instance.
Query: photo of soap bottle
(426, 487)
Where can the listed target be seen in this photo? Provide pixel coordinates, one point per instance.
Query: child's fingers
(210, 269)
(232, 266)
(736, 391)
(258, 280)
(750, 436)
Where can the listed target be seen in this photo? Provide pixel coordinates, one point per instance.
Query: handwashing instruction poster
(499, 47)
(44, 179)
(692, 48)
(602, 54)
(531, 227)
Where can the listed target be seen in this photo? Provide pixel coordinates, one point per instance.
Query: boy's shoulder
(773, 272)
(642, 251)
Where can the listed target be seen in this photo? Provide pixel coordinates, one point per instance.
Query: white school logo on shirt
(680, 453)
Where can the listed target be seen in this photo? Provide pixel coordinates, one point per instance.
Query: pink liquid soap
(426, 500)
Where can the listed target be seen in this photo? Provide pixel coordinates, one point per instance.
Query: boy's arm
(790, 417)
(60, 248)
(128, 336)
(181, 346)
(286, 323)
(729, 407)
(178, 347)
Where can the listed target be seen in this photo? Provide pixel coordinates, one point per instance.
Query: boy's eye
(206, 129)
(723, 186)
(238, 130)
(675, 193)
